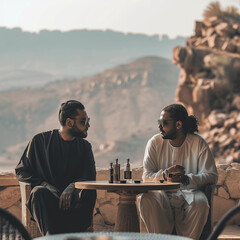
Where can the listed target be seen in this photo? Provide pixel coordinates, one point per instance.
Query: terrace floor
(230, 232)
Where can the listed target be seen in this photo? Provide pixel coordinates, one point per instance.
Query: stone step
(230, 232)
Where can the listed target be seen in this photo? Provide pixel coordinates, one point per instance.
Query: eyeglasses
(164, 122)
(84, 122)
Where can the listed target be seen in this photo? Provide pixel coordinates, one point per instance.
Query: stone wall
(10, 197)
(226, 196)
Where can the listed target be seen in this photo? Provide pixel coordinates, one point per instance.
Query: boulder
(211, 21)
(237, 47)
(236, 102)
(229, 158)
(223, 193)
(232, 182)
(190, 42)
(225, 29)
(222, 174)
(222, 166)
(215, 41)
(198, 28)
(184, 94)
(229, 123)
(203, 42)
(220, 207)
(210, 32)
(236, 27)
(236, 156)
(201, 95)
(236, 165)
(216, 119)
(229, 46)
(233, 131)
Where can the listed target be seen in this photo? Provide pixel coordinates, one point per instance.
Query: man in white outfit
(185, 209)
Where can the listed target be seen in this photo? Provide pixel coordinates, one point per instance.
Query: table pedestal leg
(127, 218)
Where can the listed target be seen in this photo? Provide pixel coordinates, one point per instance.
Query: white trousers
(161, 212)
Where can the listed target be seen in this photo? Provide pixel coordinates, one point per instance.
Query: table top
(111, 236)
(146, 186)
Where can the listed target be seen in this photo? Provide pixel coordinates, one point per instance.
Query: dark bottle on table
(116, 170)
(128, 171)
(111, 173)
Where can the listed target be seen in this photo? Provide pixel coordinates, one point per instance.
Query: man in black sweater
(51, 163)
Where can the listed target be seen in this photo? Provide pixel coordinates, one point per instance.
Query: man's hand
(181, 178)
(176, 173)
(66, 197)
(175, 169)
(178, 177)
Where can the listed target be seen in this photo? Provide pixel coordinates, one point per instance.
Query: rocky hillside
(123, 103)
(209, 83)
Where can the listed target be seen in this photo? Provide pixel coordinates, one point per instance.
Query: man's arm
(25, 171)
(207, 173)
(150, 166)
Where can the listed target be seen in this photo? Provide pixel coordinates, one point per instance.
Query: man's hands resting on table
(177, 174)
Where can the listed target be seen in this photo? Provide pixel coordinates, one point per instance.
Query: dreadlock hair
(179, 113)
(69, 110)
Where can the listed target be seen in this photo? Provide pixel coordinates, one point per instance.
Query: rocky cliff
(209, 83)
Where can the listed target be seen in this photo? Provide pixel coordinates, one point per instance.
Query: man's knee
(146, 197)
(39, 192)
(91, 194)
(201, 205)
(150, 199)
(88, 195)
(84, 199)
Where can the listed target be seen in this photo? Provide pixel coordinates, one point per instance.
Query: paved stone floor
(230, 232)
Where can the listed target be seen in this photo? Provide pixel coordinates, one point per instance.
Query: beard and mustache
(76, 132)
(170, 135)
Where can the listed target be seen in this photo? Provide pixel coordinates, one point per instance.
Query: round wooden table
(127, 217)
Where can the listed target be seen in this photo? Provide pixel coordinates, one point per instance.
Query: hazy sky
(171, 17)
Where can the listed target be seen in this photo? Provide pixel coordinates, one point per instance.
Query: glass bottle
(128, 171)
(116, 170)
(111, 173)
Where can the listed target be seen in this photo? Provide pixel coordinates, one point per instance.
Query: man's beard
(171, 135)
(75, 132)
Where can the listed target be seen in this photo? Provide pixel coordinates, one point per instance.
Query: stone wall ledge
(8, 180)
(226, 196)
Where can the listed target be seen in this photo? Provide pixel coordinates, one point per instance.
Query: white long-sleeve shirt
(194, 155)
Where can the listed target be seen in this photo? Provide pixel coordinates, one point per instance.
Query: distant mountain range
(123, 103)
(33, 59)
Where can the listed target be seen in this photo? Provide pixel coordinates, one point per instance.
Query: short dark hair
(179, 113)
(69, 110)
